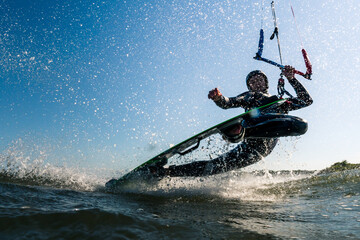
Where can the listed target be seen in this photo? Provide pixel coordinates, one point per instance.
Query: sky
(111, 84)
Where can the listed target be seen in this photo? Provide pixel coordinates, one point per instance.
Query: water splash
(22, 164)
(236, 185)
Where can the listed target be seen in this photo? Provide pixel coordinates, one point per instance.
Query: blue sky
(113, 83)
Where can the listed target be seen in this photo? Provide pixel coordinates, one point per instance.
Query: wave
(342, 183)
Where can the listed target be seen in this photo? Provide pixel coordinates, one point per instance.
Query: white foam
(239, 185)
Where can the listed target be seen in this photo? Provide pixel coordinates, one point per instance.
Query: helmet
(254, 73)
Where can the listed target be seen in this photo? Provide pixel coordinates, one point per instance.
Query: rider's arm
(244, 100)
(303, 98)
(301, 93)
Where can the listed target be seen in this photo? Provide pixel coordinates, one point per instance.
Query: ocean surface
(59, 203)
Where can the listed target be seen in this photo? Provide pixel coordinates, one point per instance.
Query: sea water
(60, 203)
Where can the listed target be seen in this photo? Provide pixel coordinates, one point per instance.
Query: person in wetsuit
(259, 135)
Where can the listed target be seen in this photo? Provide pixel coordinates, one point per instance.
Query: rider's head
(257, 81)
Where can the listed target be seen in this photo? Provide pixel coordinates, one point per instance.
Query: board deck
(190, 144)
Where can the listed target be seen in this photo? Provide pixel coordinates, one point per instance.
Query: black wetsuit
(261, 132)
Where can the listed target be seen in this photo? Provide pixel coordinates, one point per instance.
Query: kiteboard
(143, 172)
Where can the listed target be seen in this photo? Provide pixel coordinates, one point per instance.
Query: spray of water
(20, 165)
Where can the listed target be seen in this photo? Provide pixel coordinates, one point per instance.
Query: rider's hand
(215, 94)
(288, 72)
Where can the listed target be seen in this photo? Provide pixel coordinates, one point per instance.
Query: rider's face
(257, 83)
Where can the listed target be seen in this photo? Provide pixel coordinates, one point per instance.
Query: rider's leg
(246, 153)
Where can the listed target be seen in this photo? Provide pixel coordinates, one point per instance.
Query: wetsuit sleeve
(244, 100)
(302, 99)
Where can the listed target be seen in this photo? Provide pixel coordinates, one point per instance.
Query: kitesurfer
(258, 134)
